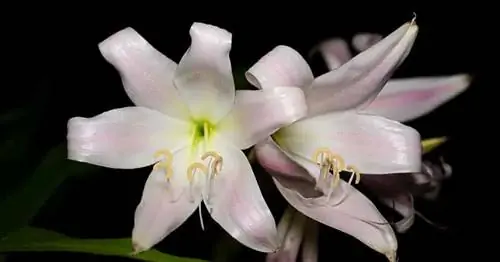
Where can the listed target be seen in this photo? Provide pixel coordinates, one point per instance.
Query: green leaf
(37, 240)
(23, 204)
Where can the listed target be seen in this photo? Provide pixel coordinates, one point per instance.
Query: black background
(53, 62)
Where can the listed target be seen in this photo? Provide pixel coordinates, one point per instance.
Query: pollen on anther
(193, 168)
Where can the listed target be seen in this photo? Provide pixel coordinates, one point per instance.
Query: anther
(191, 171)
(165, 163)
(215, 165)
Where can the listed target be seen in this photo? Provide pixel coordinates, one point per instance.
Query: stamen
(329, 162)
(354, 172)
(215, 165)
(191, 171)
(201, 218)
(211, 170)
(330, 167)
(165, 163)
(196, 166)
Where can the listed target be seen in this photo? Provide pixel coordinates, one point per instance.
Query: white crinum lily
(310, 154)
(402, 99)
(190, 122)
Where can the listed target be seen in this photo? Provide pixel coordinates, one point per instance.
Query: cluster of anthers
(211, 170)
(331, 165)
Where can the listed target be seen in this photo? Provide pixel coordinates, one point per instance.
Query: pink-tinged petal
(403, 204)
(277, 163)
(359, 80)
(282, 66)
(363, 41)
(165, 204)
(373, 144)
(293, 238)
(236, 203)
(259, 113)
(406, 99)
(147, 74)
(348, 211)
(204, 76)
(335, 52)
(125, 138)
(310, 243)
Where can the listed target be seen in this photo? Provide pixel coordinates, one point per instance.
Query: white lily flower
(334, 137)
(403, 99)
(191, 123)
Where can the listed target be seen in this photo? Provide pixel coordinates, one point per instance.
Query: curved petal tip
(121, 37)
(211, 33)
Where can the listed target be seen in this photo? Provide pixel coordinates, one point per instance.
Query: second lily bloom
(307, 157)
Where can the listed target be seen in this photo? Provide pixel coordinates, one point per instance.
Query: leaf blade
(38, 240)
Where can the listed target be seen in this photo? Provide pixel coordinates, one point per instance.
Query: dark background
(56, 70)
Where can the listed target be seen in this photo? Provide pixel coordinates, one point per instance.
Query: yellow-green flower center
(202, 131)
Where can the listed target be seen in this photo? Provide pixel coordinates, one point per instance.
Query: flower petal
(147, 75)
(259, 113)
(291, 243)
(373, 144)
(165, 205)
(310, 243)
(355, 215)
(363, 41)
(335, 52)
(360, 79)
(125, 137)
(282, 66)
(403, 204)
(277, 163)
(406, 99)
(236, 203)
(204, 77)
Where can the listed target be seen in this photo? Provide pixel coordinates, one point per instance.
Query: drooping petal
(204, 76)
(373, 144)
(165, 204)
(403, 204)
(277, 163)
(355, 215)
(406, 99)
(236, 203)
(335, 52)
(282, 66)
(310, 243)
(291, 243)
(360, 79)
(147, 74)
(363, 41)
(125, 138)
(259, 113)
